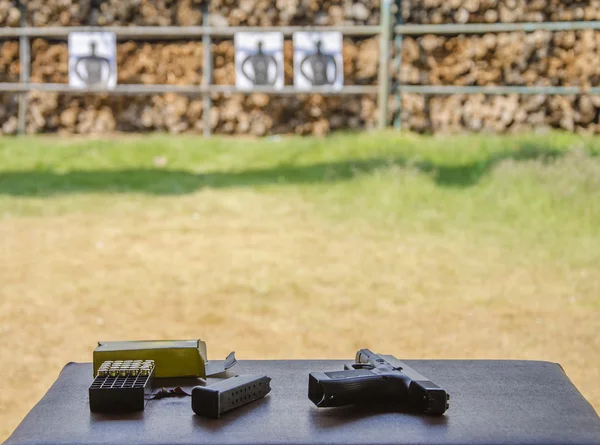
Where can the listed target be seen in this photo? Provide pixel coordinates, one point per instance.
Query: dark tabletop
(493, 402)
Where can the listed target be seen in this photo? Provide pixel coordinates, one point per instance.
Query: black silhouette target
(260, 68)
(319, 68)
(318, 60)
(92, 60)
(259, 60)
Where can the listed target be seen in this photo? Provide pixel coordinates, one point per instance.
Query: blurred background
(445, 204)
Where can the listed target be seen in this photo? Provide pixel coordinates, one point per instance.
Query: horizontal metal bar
(494, 90)
(178, 32)
(135, 89)
(182, 32)
(355, 30)
(483, 28)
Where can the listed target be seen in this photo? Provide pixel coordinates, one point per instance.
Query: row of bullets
(126, 368)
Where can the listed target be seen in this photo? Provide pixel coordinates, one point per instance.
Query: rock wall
(540, 58)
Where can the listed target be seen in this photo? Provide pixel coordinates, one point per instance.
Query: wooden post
(384, 63)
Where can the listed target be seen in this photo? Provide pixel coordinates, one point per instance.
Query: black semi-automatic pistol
(373, 380)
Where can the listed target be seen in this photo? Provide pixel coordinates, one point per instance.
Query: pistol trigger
(362, 366)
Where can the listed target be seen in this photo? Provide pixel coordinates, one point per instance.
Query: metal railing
(384, 88)
(179, 32)
(188, 90)
(206, 89)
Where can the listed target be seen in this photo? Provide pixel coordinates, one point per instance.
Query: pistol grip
(340, 388)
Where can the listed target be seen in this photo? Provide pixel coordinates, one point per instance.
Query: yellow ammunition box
(172, 358)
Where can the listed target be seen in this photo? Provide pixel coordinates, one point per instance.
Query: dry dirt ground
(271, 278)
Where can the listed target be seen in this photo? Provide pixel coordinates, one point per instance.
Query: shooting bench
(493, 403)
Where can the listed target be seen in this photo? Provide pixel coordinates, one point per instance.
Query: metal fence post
(206, 70)
(384, 62)
(398, 82)
(24, 66)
